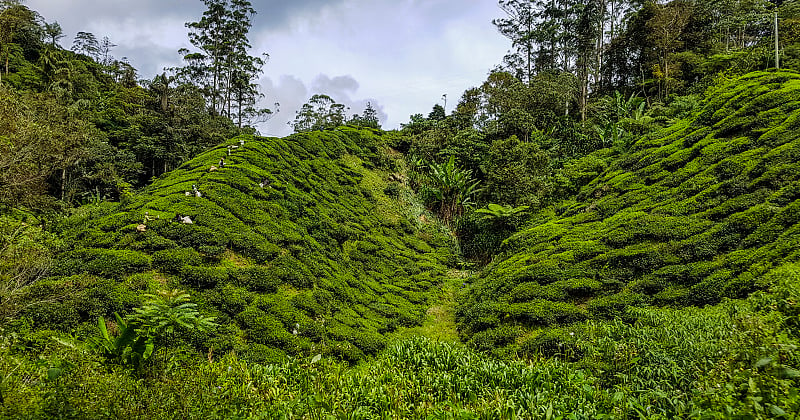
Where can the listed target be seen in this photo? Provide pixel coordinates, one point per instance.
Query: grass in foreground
(733, 360)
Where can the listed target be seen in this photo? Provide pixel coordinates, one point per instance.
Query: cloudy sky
(400, 55)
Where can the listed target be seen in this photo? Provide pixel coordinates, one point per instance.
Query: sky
(402, 56)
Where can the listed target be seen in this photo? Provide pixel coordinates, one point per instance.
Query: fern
(500, 212)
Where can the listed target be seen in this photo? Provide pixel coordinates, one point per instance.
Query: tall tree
(319, 113)
(54, 33)
(518, 26)
(14, 18)
(86, 43)
(104, 51)
(666, 28)
(209, 35)
(588, 31)
(224, 68)
(370, 116)
(437, 113)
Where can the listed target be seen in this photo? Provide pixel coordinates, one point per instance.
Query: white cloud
(404, 54)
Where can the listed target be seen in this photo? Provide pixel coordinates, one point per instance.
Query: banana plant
(457, 188)
(129, 347)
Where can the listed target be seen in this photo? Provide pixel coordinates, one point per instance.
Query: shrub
(201, 238)
(368, 342)
(257, 278)
(307, 302)
(478, 316)
(543, 312)
(62, 316)
(552, 342)
(103, 297)
(344, 350)
(392, 190)
(269, 331)
(479, 239)
(203, 277)
(491, 339)
(103, 262)
(262, 354)
(609, 307)
(173, 260)
(232, 299)
(292, 271)
(151, 241)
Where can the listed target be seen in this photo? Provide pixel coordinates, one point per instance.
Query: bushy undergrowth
(291, 244)
(737, 359)
(692, 214)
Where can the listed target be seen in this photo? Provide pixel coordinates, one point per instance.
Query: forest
(607, 227)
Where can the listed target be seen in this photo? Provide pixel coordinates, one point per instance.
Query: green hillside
(692, 214)
(293, 247)
(607, 226)
(312, 257)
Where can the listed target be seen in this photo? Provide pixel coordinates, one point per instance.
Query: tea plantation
(293, 247)
(692, 214)
(301, 278)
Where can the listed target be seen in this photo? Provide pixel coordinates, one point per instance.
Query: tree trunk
(613, 18)
(777, 57)
(63, 182)
(240, 113)
(584, 74)
(530, 54)
(228, 94)
(584, 95)
(666, 75)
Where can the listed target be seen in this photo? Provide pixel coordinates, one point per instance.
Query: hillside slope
(293, 246)
(691, 214)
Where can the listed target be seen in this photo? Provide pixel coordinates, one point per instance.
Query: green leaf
(103, 330)
(789, 373)
(316, 358)
(148, 350)
(53, 373)
(777, 411)
(763, 362)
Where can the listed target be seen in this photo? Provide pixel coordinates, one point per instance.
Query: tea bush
(732, 359)
(104, 262)
(292, 234)
(173, 260)
(690, 215)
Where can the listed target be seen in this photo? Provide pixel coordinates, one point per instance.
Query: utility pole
(777, 57)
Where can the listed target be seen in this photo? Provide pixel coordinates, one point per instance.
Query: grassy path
(440, 320)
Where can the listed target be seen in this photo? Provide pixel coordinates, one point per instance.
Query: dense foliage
(609, 223)
(321, 112)
(733, 360)
(77, 126)
(581, 77)
(290, 243)
(692, 214)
